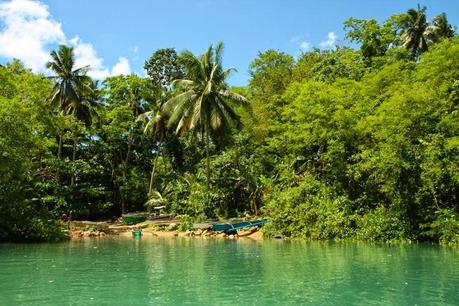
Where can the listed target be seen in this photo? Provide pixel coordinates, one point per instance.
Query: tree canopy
(357, 142)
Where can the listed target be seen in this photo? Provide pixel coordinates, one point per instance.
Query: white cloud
(301, 42)
(28, 29)
(121, 67)
(305, 46)
(85, 54)
(331, 40)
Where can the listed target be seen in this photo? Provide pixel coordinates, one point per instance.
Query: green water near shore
(223, 272)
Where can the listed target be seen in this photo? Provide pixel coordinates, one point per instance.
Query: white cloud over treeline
(331, 40)
(27, 32)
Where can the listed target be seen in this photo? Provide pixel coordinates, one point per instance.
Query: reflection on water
(224, 272)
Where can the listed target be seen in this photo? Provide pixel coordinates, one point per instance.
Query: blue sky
(117, 36)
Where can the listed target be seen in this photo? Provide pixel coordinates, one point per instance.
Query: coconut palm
(202, 102)
(440, 28)
(156, 124)
(415, 30)
(73, 91)
(155, 200)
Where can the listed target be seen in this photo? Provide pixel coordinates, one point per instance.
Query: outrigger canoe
(231, 228)
(134, 218)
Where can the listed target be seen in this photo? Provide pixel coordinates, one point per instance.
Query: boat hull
(133, 219)
(230, 228)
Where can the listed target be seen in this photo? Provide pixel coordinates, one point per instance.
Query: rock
(231, 236)
(188, 233)
(278, 236)
(248, 231)
(175, 234)
(198, 232)
(172, 227)
(221, 235)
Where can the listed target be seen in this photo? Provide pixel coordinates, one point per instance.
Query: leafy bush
(311, 210)
(383, 224)
(444, 228)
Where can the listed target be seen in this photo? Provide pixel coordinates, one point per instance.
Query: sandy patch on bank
(254, 235)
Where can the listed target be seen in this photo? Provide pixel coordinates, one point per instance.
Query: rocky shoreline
(87, 229)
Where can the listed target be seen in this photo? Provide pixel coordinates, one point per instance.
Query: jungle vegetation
(355, 142)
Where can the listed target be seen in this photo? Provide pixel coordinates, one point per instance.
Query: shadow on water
(225, 272)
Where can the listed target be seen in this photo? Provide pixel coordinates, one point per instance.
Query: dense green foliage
(372, 158)
(336, 144)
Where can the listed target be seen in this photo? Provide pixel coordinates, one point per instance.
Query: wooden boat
(134, 218)
(231, 228)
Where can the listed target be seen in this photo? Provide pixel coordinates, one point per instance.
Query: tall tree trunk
(153, 170)
(123, 206)
(117, 198)
(72, 178)
(125, 168)
(126, 161)
(208, 160)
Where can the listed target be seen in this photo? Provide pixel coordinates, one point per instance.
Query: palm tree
(155, 200)
(201, 104)
(73, 91)
(440, 28)
(415, 30)
(156, 123)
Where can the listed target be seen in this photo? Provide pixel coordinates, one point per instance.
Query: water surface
(180, 271)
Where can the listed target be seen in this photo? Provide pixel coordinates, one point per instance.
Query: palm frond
(234, 97)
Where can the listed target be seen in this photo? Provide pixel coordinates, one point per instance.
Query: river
(179, 271)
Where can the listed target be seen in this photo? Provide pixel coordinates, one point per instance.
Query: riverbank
(87, 229)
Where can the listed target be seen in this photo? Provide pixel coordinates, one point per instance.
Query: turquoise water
(179, 271)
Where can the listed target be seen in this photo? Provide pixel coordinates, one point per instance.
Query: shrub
(444, 228)
(310, 210)
(383, 224)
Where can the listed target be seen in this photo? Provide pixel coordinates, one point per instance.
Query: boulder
(278, 236)
(172, 227)
(221, 235)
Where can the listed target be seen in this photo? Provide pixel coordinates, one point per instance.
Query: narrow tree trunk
(153, 170)
(125, 168)
(126, 161)
(123, 208)
(208, 161)
(72, 179)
